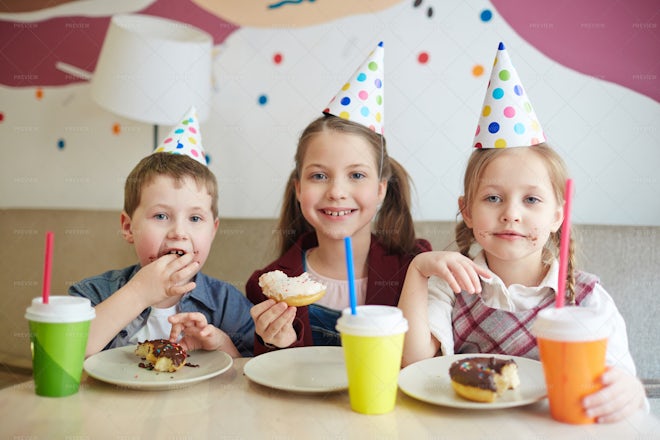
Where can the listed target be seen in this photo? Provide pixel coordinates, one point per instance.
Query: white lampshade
(152, 69)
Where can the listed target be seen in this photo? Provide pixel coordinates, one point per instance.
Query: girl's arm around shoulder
(459, 272)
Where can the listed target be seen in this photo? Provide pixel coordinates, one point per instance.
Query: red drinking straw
(563, 244)
(48, 265)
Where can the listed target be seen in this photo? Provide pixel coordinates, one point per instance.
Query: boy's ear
(126, 230)
(465, 211)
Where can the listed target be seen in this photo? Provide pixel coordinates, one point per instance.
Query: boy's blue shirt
(223, 305)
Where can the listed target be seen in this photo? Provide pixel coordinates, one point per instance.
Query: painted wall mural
(591, 68)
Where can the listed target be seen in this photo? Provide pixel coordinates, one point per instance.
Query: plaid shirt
(482, 329)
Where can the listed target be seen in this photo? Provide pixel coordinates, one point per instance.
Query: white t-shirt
(157, 326)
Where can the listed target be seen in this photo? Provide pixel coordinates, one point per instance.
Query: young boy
(170, 216)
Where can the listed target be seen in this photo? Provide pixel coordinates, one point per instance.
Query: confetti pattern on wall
(438, 40)
(419, 4)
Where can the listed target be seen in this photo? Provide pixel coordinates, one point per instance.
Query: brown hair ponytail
(292, 223)
(394, 223)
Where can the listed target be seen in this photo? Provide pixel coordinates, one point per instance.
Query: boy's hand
(168, 276)
(273, 321)
(460, 272)
(197, 333)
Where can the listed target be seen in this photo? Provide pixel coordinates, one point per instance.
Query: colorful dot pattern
(185, 139)
(507, 117)
(361, 99)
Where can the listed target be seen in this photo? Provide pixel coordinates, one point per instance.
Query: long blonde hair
(558, 172)
(394, 223)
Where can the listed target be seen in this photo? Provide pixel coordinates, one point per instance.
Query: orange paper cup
(572, 346)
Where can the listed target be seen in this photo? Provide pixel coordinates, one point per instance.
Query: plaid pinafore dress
(482, 329)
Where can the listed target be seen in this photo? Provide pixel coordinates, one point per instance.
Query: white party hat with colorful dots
(185, 138)
(361, 98)
(507, 117)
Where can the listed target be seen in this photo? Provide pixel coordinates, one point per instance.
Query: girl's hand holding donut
(273, 322)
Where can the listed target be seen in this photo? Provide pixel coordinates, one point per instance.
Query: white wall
(608, 135)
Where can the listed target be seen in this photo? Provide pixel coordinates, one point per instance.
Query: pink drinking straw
(48, 266)
(563, 244)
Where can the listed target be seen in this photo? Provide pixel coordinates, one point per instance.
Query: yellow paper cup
(572, 346)
(373, 344)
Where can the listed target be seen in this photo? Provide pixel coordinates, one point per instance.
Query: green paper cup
(58, 336)
(373, 344)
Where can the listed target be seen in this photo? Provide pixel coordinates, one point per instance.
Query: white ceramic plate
(428, 381)
(120, 366)
(300, 369)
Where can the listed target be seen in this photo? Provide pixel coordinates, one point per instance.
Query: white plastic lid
(573, 324)
(60, 309)
(372, 321)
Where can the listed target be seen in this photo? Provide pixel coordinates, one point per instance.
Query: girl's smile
(338, 212)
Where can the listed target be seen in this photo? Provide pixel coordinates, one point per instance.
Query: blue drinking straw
(351, 274)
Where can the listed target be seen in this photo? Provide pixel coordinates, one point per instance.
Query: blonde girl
(484, 300)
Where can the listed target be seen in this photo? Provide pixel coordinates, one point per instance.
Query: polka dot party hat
(185, 138)
(507, 118)
(361, 98)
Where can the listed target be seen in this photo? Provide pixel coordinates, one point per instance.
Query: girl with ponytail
(344, 184)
